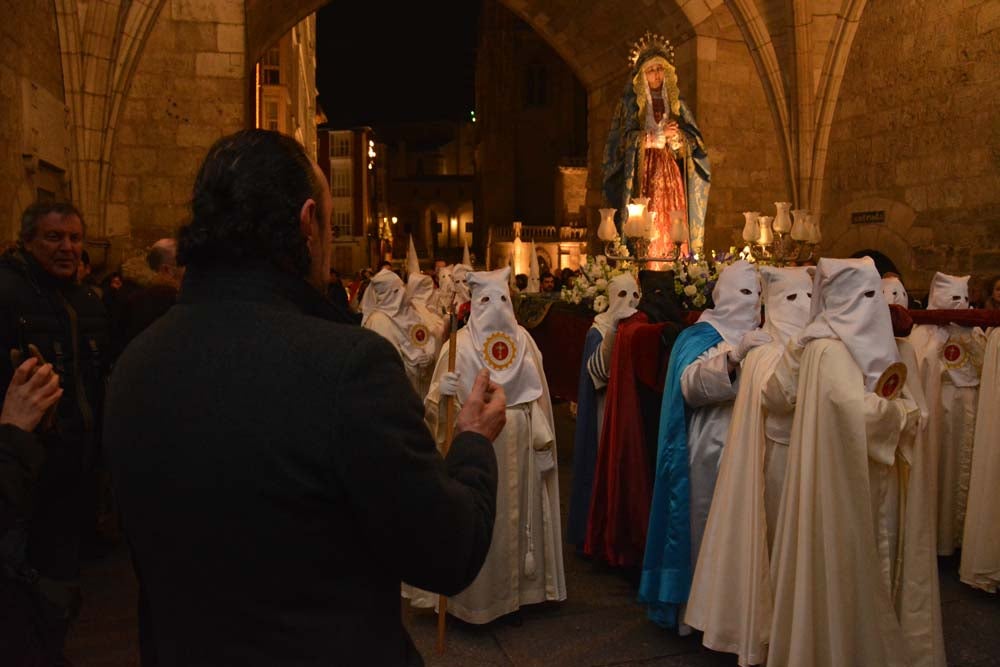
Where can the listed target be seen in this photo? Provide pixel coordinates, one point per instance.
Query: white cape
(833, 605)
(730, 596)
(981, 548)
(527, 512)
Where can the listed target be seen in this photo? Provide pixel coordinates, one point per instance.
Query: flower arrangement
(695, 278)
(591, 286)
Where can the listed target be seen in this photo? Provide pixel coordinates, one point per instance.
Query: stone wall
(30, 46)
(188, 90)
(916, 133)
(736, 122)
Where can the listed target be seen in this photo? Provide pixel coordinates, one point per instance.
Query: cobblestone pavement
(599, 623)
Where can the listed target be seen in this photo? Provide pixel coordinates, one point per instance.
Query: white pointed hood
(412, 259)
(848, 305)
(499, 343)
(466, 258)
(619, 307)
(737, 302)
(388, 297)
(420, 296)
(459, 276)
(787, 293)
(948, 292)
(894, 292)
(534, 274)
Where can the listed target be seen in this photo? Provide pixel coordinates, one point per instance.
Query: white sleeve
(706, 381)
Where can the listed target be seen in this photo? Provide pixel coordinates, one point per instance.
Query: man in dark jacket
(273, 470)
(42, 304)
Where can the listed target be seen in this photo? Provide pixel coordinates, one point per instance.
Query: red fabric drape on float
(623, 482)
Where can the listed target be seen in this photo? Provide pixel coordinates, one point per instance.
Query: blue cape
(666, 567)
(585, 443)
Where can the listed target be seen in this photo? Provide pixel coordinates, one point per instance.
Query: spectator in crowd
(548, 285)
(25, 636)
(521, 280)
(159, 291)
(301, 485)
(44, 306)
(992, 300)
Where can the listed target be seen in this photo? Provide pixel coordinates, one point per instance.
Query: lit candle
(636, 211)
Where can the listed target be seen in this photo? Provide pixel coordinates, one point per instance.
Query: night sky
(388, 61)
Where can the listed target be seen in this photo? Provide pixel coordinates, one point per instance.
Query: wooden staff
(449, 433)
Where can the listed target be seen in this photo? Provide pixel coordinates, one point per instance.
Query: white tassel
(529, 564)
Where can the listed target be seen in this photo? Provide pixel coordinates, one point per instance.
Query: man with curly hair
(273, 495)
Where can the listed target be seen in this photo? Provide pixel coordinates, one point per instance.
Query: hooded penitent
(848, 305)
(498, 340)
(787, 293)
(459, 276)
(737, 302)
(841, 509)
(623, 297)
(659, 301)
(894, 292)
(388, 297)
(948, 292)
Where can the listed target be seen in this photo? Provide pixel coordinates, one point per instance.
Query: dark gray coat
(277, 481)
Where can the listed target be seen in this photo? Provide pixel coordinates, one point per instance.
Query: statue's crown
(650, 43)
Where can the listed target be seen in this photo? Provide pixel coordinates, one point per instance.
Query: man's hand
(485, 411)
(33, 390)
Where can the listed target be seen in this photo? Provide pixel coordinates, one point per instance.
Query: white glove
(448, 385)
(750, 340)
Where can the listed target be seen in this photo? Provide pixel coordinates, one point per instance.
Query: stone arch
(100, 48)
(831, 76)
(878, 238)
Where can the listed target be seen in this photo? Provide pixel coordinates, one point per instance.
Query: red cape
(623, 481)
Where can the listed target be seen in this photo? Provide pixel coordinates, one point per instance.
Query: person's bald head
(162, 259)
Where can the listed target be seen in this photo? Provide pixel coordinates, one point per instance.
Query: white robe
(527, 512)
(917, 592)
(833, 604)
(709, 393)
(417, 371)
(950, 433)
(980, 565)
(731, 598)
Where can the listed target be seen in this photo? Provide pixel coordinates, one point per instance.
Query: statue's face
(654, 75)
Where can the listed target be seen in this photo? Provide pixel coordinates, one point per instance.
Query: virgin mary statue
(655, 149)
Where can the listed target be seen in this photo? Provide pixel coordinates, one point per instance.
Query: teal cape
(667, 568)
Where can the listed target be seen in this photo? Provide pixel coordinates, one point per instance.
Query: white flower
(696, 270)
(601, 283)
(601, 260)
(600, 303)
(591, 291)
(690, 290)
